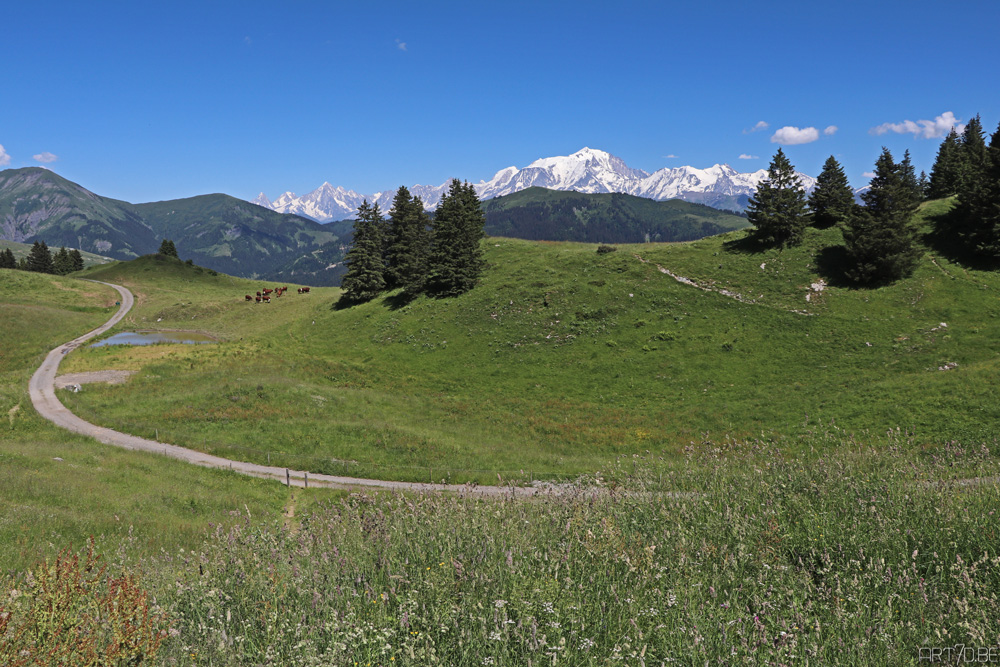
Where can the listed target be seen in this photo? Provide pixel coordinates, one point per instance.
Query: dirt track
(43, 397)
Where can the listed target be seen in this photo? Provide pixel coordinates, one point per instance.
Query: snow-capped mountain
(588, 170)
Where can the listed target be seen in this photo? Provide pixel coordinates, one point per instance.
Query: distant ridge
(215, 231)
(588, 171)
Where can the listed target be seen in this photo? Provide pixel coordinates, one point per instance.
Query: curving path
(43, 397)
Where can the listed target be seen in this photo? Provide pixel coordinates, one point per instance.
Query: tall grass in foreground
(852, 558)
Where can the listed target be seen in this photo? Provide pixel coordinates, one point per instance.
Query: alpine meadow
(491, 395)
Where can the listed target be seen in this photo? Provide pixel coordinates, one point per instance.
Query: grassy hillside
(550, 215)
(59, 489)
(38, 204)
(239, 238)
(563, 359)
(23, 249)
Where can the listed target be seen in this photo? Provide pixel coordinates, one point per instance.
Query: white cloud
(45, 157)
(668, 157)
(869, 174)
(790, 136)
(761, 125)
(248, 41)
(924, 129)
(744, 156)
(830, 130)
(4, 158)
(400, 45)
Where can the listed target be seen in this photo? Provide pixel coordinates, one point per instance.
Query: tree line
(879, 237)
(412, 251)
(41, 260)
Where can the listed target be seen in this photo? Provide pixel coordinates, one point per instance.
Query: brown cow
(249, 298)
(257, 299)
(266, 299)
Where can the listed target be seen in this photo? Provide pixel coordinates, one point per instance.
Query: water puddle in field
(152, 337)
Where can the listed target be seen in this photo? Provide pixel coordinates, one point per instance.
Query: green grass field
(559, 361)
(58, 488)
(780, 479)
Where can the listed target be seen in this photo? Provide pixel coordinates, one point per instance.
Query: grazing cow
(257, 299)
(303, 290)
(267, 290)
(266, 299)
(258, 295)
(249, 298)
(300, 290)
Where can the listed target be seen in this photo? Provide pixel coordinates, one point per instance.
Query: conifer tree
(40, 258)
(365, 277)
(407, 243)
(456, 259)
(833, 199)
(777, 208)
(973, 158)
(947, 167)
(879, 237)
(77, 258)
(979, 208)
(909, 177)
(168, 249)
(61, 262)
(7, 260)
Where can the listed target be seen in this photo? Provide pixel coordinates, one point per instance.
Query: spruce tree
(7, 260)
(833, 199)
(168, 249)
(77, 258)
(61, 262)
(947, 167)
(973, 158)
(365, 277)
(911, 183)
(777, 209)
(979, 208)
(407, 243)
(879, 237)
(40, 258)
(456, 258)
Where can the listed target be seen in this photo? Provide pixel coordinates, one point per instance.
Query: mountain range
(215, 231)
(588, 171)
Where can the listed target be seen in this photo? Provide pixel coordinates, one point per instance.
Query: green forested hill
(539, 214)
(38, 204)
(217, 231)
(243, 239)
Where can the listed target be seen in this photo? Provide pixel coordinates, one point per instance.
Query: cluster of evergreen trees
(878, 236)
(969, 169)
(441, 257)
(41, 260)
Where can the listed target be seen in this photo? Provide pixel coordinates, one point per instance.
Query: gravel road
(43, 397)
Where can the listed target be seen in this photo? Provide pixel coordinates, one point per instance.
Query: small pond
(151, 337)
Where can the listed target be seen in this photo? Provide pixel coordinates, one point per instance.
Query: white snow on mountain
(588, 170)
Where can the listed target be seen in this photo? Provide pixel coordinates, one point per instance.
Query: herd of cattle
(264, 296)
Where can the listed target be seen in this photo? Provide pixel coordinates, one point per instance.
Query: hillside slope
(562, 359)
(539, 214)
(234, 237)
(38, 204)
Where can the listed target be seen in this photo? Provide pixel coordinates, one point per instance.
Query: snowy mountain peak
(588, 170)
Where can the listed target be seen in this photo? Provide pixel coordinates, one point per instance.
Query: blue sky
(144, 102)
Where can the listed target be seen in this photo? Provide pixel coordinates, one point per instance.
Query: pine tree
(924, 184)
(979, 208)
(365, 279)
(40, 258)
(909, 177)
(168, 249)
(7, 260)
(833, 199)
(61, 262)
(407, 243)
(879, 237)
(77, 258)
(947, 167)
(973, 158)
(456, 259)
(777, 209)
